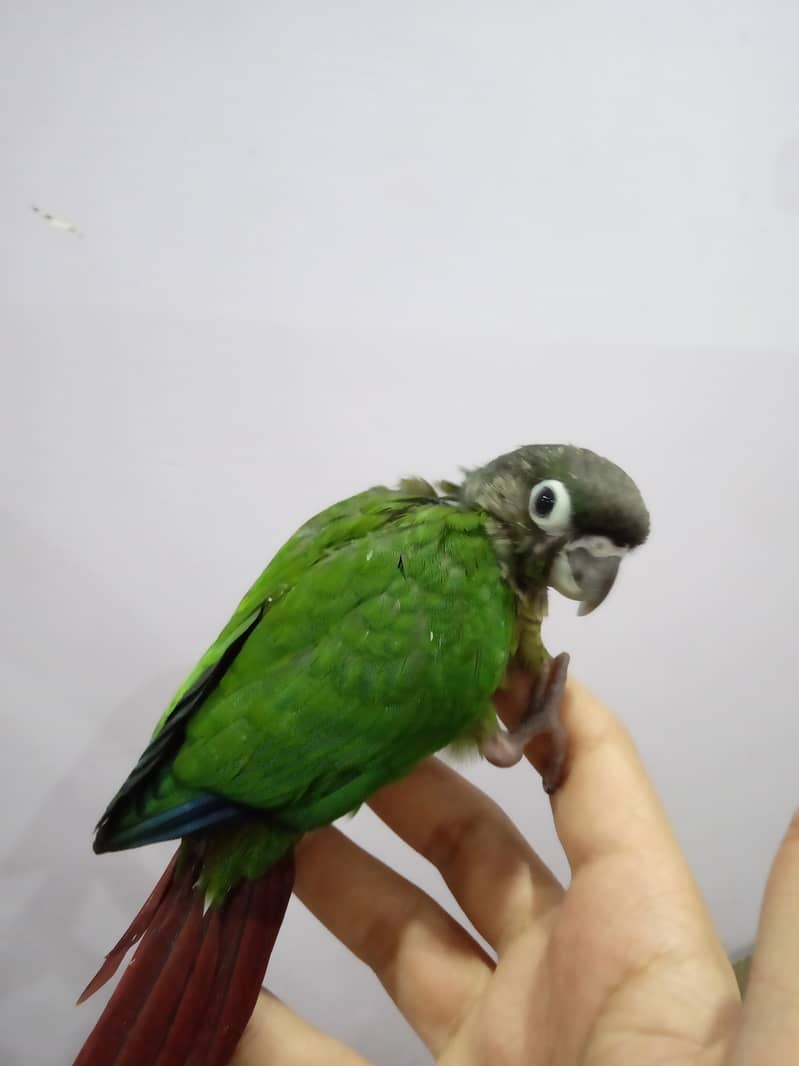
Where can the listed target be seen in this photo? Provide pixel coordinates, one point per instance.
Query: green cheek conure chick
(376, 636)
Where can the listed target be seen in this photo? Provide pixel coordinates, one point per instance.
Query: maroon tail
(191, 986)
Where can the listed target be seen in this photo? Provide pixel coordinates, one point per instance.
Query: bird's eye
(551, 507)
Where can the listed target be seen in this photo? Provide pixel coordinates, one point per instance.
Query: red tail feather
(182, 1035)
(192, 983)
(134, 932)
(266, 907)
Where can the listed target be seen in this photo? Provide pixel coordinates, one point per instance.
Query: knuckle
(450, 840)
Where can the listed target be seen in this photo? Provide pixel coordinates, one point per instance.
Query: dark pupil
(544, 502)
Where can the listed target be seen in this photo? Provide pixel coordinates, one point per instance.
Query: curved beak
(585, 570)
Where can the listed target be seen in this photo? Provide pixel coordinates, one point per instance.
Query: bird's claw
(542, 717)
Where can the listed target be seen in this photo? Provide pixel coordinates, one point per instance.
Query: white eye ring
(551, 507)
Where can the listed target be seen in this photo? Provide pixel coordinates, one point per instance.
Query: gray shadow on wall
(56, 847)
(43, 636)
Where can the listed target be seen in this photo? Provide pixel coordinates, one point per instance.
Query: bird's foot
(542, 717)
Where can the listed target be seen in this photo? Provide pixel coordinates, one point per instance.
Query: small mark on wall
(54, 222)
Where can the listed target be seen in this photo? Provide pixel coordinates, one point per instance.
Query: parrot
(376, 637)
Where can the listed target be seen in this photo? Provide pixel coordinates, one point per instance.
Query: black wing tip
(102, 837)
(103, 844)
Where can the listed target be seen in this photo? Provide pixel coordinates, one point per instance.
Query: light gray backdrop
(325, 245)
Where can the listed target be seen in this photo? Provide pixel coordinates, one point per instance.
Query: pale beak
(585, 570)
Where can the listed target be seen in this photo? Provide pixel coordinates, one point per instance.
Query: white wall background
(326, 245)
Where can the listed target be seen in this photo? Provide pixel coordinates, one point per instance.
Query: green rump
(375, 637)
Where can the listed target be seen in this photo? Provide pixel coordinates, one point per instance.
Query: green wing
(325, 532)
(375, 637)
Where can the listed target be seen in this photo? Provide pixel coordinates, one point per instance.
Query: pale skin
(622, 968)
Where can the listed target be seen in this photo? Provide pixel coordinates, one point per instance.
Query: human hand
(622, 968)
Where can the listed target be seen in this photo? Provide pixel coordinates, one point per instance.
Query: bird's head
(564, 517)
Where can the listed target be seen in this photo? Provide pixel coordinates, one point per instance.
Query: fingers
(769, 1034)
(275, 1034)
(610, 803)
(607, 803)
(614, 831)
(496, 877)
(428, 964)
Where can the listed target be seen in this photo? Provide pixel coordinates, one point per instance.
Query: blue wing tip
(204, 812)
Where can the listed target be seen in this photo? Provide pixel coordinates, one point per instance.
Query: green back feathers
(375, 637)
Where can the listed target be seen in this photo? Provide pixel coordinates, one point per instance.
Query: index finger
(612, 825)
(607, 802)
